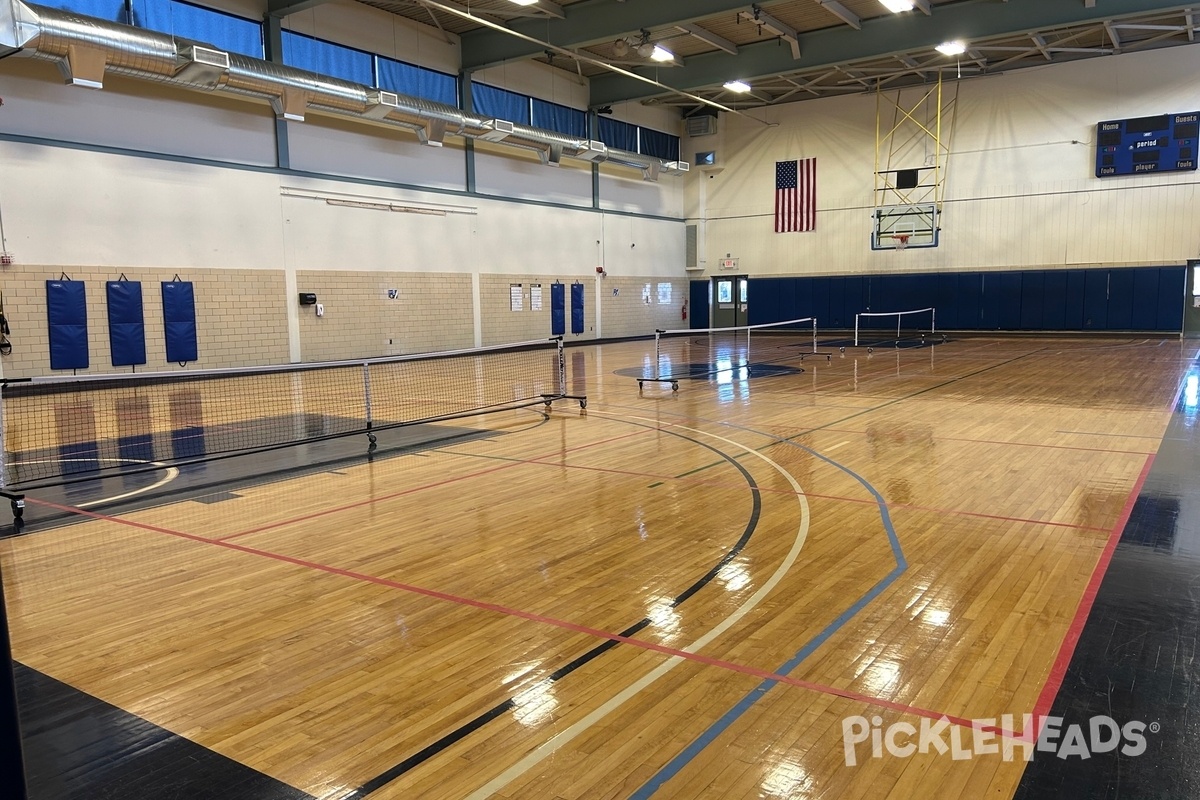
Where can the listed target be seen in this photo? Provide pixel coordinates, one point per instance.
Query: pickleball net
(896, 328)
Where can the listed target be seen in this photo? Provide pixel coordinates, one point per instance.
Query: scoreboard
(1166, 143)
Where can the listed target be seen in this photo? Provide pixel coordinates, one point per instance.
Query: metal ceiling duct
(85, 48)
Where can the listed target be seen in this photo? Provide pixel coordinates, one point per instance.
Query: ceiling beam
(841, 12)
(588, 23)
(972, 20)
(719, 42)
(756, 16)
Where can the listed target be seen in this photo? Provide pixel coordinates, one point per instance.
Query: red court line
(1059, 670)
(413, 490)
(761, 674)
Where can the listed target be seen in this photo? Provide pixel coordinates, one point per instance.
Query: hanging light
(660, 53)
(894, 6)
(954, 48)
(741, 87)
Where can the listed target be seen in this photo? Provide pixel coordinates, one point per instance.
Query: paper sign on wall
(535, 297)
(516, 299)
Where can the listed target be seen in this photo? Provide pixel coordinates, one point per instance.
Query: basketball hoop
(900, 240)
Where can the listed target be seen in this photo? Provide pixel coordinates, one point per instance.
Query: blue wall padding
(1118, 299)
(558, 309)
(179, 321)
(126, 323)
(576, 308)
(698, 304)
(66, 312)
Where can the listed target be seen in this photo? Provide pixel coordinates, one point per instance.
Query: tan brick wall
(627, 312)
(502, 325)
(240, 317)
(431, 312)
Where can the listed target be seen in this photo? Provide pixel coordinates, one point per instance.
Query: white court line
(555, 743)
(171, 474)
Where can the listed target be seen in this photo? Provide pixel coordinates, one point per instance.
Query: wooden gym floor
(669, 595)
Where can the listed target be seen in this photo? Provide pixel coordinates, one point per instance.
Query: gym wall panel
(698, 303)
(137, 115)
(626, 313)
(240, 314)
(1033, 285)
(1120, 299)
(503, 172)
(1053, 300)
(1073, 319)
(126, 323)
(333, 146)
(770, 299)
(66, 318)
(1171, 287)
(431, 311)
(1145, 299)
(1095, 300)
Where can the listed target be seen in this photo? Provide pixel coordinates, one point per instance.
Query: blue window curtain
(553, 117)
(620, 135)
(327, 58)
(396, 76)
(500, 103)
(223, 31)
(111, 10)
(659, 144)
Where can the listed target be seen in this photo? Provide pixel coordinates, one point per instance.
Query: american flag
(795, 195)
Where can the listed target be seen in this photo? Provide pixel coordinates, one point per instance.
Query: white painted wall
(1020, 190)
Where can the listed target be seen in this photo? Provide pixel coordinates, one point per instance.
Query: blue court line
(675, 765)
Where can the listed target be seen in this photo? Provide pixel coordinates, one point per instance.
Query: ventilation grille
(703, 125)
(693, 260)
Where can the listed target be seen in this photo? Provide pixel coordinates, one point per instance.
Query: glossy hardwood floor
(670, 595)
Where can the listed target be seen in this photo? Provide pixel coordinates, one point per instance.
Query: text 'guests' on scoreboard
(1166, 143)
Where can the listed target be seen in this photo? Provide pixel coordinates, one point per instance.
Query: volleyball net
(63, 429)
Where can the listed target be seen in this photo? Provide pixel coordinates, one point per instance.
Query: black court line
(466, 729)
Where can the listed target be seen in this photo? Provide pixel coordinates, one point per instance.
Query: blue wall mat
(1171, 288)
(1142, 298)
(698, 303)
(1120, 299)
(1095, 300)
(558, 309)
(126, 323)
(1073, 313)
(1053, 300)
(576, 308)
(66, 313)
(1145, 299)
(770, 300)
(179, 321)
(1033, 285)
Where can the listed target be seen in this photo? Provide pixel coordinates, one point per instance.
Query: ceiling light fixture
(955, 48)
(660, 53)
(524, 2)
(896, 6)
(741, 87)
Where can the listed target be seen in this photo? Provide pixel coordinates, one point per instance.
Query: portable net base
(690, 354)
(62, 430)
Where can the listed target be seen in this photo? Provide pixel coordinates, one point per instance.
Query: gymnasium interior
(622, 399)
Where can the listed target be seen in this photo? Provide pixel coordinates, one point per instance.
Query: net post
(814, 334)
(747, 349)
(658, 354)
(856, 316)
(933, 320)
(562, 367)
(3, 454)
(367, 394)
(899, 317)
